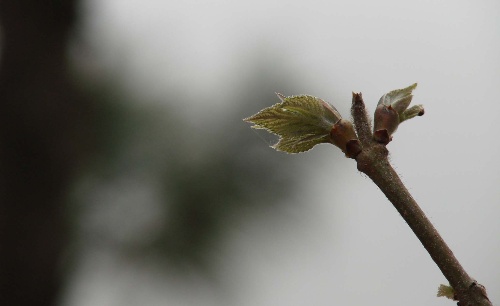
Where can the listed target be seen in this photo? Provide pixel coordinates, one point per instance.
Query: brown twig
(373, 161)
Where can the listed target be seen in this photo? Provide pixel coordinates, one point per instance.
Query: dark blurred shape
(54, 131)
(239, 174)
(210, 176)
(43, 137)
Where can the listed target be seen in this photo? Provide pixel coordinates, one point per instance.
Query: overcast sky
(342, 255)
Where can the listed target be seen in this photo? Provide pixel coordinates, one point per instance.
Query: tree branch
(305, 121)
(373, 161)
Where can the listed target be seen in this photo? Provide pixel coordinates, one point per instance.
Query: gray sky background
(360, 252)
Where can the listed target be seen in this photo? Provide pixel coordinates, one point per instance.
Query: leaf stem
(373, 161)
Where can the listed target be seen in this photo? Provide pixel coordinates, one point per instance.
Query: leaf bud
(343, 136)
(386, 123)
(392, 109)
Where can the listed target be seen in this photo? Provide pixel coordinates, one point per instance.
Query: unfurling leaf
(415, 110)
(392, 109)
(398, 99)
(301, 122)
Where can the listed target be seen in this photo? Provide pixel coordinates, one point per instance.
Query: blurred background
(129, 178)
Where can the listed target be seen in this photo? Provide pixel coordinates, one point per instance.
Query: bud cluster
(304, 121)
(392, 109)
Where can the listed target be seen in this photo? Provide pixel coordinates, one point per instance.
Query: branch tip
(361, 120)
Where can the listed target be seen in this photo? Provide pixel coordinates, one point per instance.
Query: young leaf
(392, 109)
(301, 122)
(415, 110)
(398, 99)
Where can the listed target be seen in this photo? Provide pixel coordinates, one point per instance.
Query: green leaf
(398, 99)
(301, 122)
